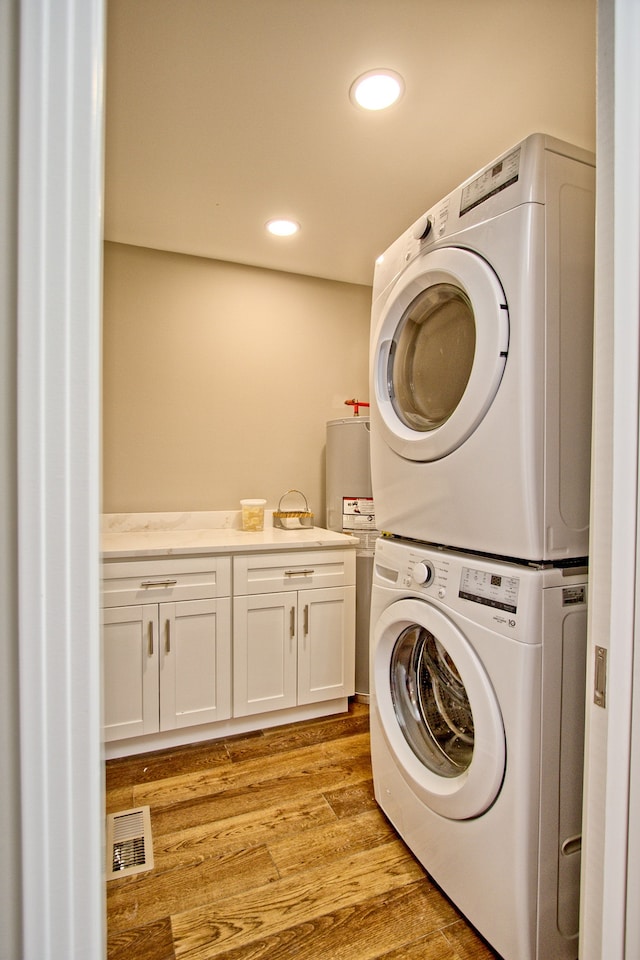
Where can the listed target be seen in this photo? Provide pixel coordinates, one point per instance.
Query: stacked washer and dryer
(481, 359)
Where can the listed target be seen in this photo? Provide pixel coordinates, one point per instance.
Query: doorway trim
(59, 309)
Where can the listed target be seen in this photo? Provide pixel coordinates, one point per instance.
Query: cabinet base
(224, 728)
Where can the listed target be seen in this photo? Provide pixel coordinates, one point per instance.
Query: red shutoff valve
(356, 404)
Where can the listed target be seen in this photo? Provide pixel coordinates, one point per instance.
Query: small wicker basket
(293, 519)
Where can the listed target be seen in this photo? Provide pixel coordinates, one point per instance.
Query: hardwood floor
(271, 845)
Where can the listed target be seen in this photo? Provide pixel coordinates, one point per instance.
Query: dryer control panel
(495, 178)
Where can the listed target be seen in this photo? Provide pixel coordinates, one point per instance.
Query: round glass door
(438, 323)
(440, 352)
(431, 703)
(438, 710)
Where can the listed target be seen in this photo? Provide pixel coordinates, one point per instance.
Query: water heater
(350, 509)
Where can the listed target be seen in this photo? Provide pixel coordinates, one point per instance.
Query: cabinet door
(264, 653)
(130, 671)
(195, 662)
(326, 644)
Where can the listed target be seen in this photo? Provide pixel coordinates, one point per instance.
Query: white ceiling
(224, 113)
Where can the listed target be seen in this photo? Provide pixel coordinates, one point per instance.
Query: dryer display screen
(490, 589)
(491, 181)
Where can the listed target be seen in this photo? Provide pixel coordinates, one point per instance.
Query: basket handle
(306, 505)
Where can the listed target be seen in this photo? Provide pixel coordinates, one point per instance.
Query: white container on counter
(253, 514)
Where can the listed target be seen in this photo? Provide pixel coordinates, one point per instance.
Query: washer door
(438, 710)
(440, 353)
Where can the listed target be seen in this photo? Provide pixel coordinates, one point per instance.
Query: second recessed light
(377, 89)
(282, 228)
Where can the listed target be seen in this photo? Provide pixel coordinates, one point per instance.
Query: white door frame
(611, 847)
(61, 75)
(59, 310)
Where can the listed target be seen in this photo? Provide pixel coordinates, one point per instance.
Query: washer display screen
(490, 589)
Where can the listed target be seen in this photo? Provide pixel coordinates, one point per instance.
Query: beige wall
(219, 380)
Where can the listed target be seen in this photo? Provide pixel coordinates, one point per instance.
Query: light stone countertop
(213, 532)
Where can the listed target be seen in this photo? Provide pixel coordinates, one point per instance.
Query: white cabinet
(294, 629)
(166, 644)
(183, 651)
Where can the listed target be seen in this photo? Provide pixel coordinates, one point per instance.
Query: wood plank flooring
(272, 846)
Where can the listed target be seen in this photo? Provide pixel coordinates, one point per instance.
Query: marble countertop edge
(147, 535)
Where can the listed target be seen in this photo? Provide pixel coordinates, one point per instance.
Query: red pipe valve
(356, 404)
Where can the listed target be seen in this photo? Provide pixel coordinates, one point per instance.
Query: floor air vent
(129, 843)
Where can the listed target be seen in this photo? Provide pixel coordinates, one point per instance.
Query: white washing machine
(477, 717)
(481, 357)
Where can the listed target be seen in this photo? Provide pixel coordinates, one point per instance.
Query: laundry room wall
(219, 379)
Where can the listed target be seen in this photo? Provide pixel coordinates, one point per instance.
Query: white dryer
(481, 357)
(477, 715)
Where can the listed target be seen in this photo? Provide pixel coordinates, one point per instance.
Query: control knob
(422, 227)
(423, 572)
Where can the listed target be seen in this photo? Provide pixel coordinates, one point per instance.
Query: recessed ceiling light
(282, 228)
(376, 89)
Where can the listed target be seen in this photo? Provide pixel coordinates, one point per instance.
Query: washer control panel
(488, 592)
(489, 588)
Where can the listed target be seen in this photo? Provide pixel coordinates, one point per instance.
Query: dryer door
(439, 353)
(438, 710)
